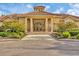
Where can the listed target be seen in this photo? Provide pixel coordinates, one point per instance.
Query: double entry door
(39, 25)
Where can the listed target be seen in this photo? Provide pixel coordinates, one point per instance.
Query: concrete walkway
(39, 45)
(37, 37)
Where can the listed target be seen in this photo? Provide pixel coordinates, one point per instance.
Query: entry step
(37, 37)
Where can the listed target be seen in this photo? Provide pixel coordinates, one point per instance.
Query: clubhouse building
(40, 21)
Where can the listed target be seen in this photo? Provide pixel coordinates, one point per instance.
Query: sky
(59, 8)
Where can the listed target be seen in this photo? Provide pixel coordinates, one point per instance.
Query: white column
(25, 25)
(31, 25)
(46, 25)
(51, 24)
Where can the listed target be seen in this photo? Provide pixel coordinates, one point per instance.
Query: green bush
(14, 35)
(57, 35)
(21, 34)
(66, 35)
(13, 26)
(77, 36)
(73, 30)
(73, 33)
(3, 34)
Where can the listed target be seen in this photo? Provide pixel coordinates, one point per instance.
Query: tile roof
(37, 13)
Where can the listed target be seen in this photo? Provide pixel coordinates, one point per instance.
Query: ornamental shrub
(74, 33)
(13, 35)
(66, 35)
(3, 34)
(57, 35)
(77, 36)
(21, 34)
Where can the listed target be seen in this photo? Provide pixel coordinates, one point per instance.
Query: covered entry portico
(39, 25)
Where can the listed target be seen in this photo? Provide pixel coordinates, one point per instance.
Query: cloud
(74, 5)
(4, 9)
(59, 10)
(71, 12)
(20, 8)
(74, 9)
(2, 13)
(29, 6)
(47, 7)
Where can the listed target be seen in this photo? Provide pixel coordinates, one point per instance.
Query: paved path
(28, 48)
(37, 37)
(68, 47)
(39, 46)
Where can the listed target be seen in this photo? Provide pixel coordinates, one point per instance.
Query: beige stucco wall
(1, 23)
(21, 20)
(77, 24)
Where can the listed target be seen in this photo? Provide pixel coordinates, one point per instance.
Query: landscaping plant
(66, 35)
(12, 29)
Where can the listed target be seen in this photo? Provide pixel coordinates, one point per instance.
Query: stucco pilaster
(46, 25)
(52, 25)
(31, 25)
(25, 25)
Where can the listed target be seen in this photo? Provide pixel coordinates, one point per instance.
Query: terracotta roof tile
(39, 13)
(36, 13)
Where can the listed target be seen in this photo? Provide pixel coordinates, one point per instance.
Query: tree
(13, 26)
(70, 25)
(64, 26)
(61, 27)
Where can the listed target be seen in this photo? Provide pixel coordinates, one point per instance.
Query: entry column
(51, 24)
(31, 25)
(46, 25)
(25, 25)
